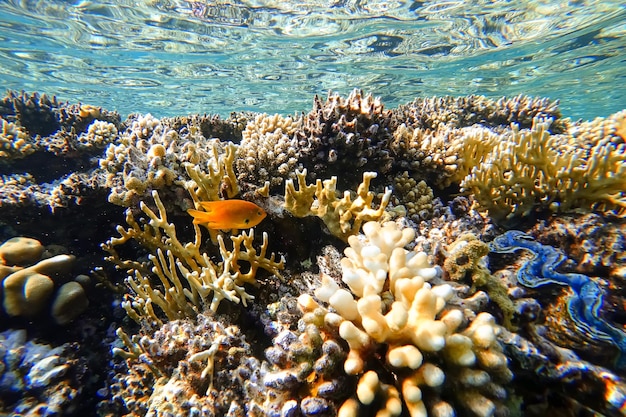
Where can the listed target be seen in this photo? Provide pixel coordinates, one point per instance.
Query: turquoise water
(180, 57)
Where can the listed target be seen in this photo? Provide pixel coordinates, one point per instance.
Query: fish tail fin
(199, 217)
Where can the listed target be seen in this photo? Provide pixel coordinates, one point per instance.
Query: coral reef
(384, 330)
(465, 259)
(390, 311)
(269, 150)
(47, 147)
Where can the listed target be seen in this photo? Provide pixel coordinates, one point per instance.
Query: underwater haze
(181, 57)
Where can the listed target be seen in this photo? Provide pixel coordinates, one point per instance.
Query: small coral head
(228, 214)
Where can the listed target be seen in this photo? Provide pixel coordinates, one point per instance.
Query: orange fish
(228, 214)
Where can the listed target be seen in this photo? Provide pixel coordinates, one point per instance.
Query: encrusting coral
(465, 259)
(391, 314)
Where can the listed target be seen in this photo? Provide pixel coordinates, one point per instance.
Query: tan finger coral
(534, 169)
(189, 280)
(343, 216)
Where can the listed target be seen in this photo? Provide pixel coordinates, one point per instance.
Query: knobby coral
(390, 315)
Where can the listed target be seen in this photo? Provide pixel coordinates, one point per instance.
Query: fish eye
(247, 221)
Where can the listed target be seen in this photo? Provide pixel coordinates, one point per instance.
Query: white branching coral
(190, 280)
(390, 310)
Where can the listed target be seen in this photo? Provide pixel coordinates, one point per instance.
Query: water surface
(180, 57)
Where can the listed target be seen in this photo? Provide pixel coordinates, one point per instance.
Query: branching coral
(203, 367)
(343, 216)
(537, 170)
(391, 314)
(191, 281)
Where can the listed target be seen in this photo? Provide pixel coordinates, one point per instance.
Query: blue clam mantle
(583, 306)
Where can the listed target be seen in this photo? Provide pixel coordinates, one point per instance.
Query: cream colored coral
(445, 155)
(391, 302)
(343, 216)
(99, 134)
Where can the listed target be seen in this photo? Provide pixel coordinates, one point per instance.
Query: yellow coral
(465, 259)
(343, 216)
(190, 280)
(15, 142)
(535, 169)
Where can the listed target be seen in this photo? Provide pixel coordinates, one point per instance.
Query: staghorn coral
(391, 314)
(534, 169)
(191, 280)
(343, 216)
